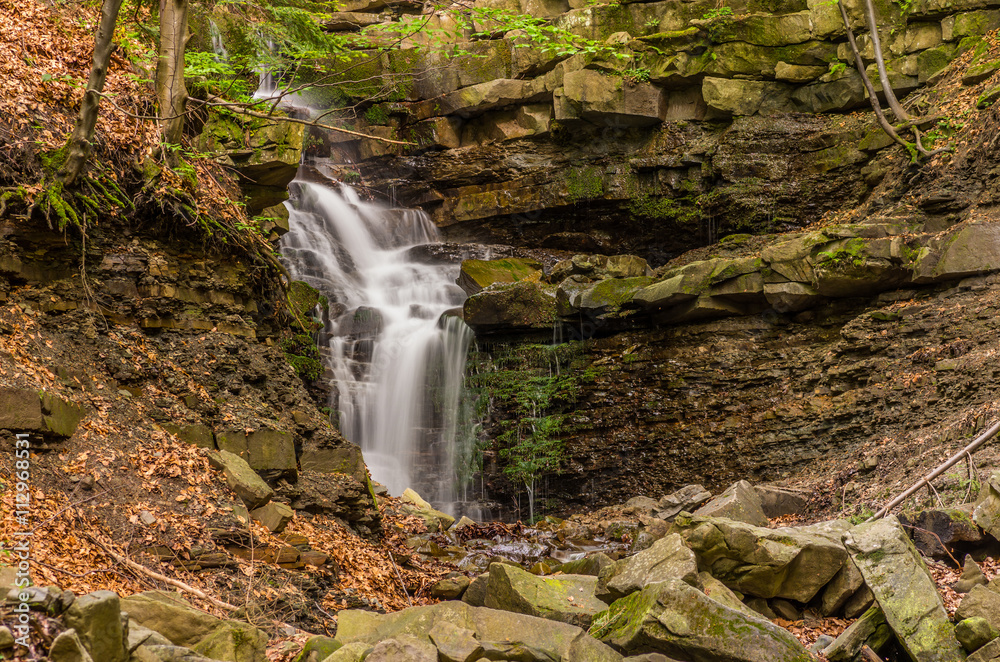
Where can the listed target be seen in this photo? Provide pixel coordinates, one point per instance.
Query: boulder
(475, 595)
(987, 511)
(197, 435)
(791, 563)
(667, 558)
(869, 630)
(739, 502)
(171, 616)
(966, 251)
(745, 97)
(564, 598)
(687, 498)
(935, 530)
(676, 619)
(67, 647)
(275, 516)
(477, 275)
(609, 100)
(455, 644)
(521, 306)
(974, 633)
(678, 285)
(404, 648)
(988, 653)
(777, 501)
(242, 479)
(433, 518)
(272, 451)
(317, 649)
(492, 628)
(972, 576)
(608, 295)
(591, 564)
(844, 584)
(904, 590)
(353, 652)
(790, 297)
(450, 588)
(980, 602)
(27, 410)
(97, 619)
(161, 653)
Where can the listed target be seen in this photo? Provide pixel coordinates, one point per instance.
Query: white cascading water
(397, 361)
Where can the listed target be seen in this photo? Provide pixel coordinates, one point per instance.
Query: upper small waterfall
(397, 361)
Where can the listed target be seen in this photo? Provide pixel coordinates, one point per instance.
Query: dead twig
(979, 441)
(187, 588)
(399, 576)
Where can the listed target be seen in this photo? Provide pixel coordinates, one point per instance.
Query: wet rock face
(647, 411)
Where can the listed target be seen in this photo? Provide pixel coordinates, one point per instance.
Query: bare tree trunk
(884, 78)
(883, 75)
(171, 94)
(83, 134)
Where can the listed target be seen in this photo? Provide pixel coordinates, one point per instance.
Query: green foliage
(528, 394)
(634, 75)
(837, 67)
(303, 356)
(720, 20)
(945, 129)
(377, 115)
(853, 253)
(584, 183)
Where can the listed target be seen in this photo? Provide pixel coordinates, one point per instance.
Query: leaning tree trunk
(171, 94)
(78, 150)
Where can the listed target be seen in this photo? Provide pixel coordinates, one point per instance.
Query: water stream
(396, 359)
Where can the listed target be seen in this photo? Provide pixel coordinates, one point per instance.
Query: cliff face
(809, 355)
(705, 123)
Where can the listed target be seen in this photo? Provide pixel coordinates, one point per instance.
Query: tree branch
(242, 108)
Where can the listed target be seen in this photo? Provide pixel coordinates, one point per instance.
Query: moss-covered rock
(477, 275)
(518, 307)
(667, 558)
(559, 641)
(676, 619)
(566, 598)
(793, 563)
(904, 590)
(869, 630)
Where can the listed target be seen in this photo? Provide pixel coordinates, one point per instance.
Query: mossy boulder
(28, 410)
(608, 295)
(477, 275)
(980, 72)
(869, 630)
(679, 620)
(904, 590)
(605, 99)
(966, 251)
(491, 627)
(170, 615)
(565, 598)
(243, 480)
(793, 563)
(518, 307)
(745, 97)
(667, 558)
(739, 502)
(680, 285)
(987, 512)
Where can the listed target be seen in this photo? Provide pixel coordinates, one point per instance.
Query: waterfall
(397, 360)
